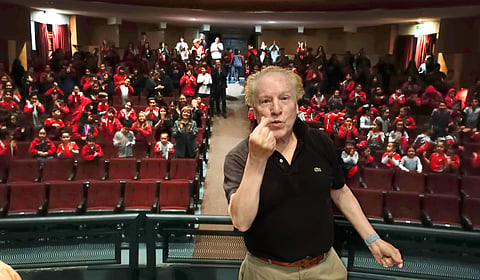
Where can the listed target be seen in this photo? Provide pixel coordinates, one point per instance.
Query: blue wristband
(372, 238)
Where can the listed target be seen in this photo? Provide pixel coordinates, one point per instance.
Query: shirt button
(281, 160)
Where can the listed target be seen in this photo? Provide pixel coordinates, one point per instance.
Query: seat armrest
(466, 222)
(426, 220)
(137, 170)
(74, 171)
(387, 216)
(106, 169)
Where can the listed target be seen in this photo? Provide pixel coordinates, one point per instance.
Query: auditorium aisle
(226, 133)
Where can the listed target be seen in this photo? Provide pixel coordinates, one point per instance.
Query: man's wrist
(372, 238)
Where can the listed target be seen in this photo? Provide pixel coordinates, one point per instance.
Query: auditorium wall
(14, 33)
(459, 41)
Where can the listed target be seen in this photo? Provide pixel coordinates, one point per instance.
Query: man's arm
(384, 252)
(243, 206)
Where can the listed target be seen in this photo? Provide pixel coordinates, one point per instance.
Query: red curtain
(425, 46)
(404, 49)
(61, 39)
(41, 41)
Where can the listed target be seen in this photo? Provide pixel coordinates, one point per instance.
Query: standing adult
(216, 49)
(219, 88)
(285, 170)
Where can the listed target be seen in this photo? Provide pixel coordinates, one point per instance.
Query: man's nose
(276, 107)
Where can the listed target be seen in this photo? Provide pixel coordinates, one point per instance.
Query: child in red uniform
(348, 130)
(399, 136)
(91, 151)
(332, 118)
(453, 160)
(390, 158)
(109, 124)
(42, 147)
(67, 149)
(406, 115)
(8, 102)
(127, 113)
(438, 160)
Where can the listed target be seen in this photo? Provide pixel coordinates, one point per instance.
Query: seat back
(409, 181)
(25, 198)
(57, 170)
(442, 209)
(376, 178)
(183, 169)
(441, 183)
(3, 195)
(109, 151)
(23, 150)
(471, 209)
(175, 195)
(141, 150)
(470, 186)
(404, 206)
(372, 202)
(153, 168)
(90, 170)
(103, 195)
(23, 170)
(64, 196)
(141, 195)
(122, 168)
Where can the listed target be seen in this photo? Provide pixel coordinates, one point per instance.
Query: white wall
(429, 27)
(49, 17)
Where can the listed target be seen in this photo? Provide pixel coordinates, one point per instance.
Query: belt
(303, 263)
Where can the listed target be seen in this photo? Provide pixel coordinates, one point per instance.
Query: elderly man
(280, 183)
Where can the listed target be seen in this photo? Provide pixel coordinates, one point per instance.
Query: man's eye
(265, 101)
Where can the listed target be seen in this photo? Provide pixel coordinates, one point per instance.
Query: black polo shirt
(294, 218)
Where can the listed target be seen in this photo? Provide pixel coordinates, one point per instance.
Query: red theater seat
(183, 169)
(376, 178)
(154, 169)
(441, 210)
(372, 202)
(90, 170)
(175, 196)
(23, 170)
(23, 150)
(142, 196)
(26, 199)
(57, 170)
(409, 182)
(403, 207)
(471, 213)
(470, 186)
(440, 183)
(122, 169)
(104, 196)
(65, 197)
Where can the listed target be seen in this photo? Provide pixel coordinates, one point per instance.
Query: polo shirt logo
(317, 169)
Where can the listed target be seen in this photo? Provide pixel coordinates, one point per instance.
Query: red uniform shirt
(438, 162)
(68, 150)
(88, 152)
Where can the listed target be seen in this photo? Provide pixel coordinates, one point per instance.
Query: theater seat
(409, 182)
(184, 169)
(441, 183)
(57, 170)
(470, 186)
(403, 207)
(154, 169)
(376, 178)
(372, 202)
(93, 170)
(175, 196)
(65, 197)
(23, 170)
(471, 213)
(26, 199)
(125, 169)
(142, 196)
(104, 196)
(3, 199)
(23, 150)
(441, 210)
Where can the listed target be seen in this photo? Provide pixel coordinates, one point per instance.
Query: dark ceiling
(297, 5)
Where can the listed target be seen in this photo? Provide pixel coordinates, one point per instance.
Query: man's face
(217, 40)
(218, 64)
(276, 99)
(475, 103)
(442, 106)
(125, 129)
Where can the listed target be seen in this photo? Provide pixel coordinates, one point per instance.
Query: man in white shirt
(216, 49)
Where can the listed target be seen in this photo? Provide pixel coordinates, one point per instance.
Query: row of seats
(140, 150)
(439, 210)
(420, 183)
(78, 197)
(128, 169)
